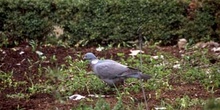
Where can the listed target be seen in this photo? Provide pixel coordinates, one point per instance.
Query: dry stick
(141, 82)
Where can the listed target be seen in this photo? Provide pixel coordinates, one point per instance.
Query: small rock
(182, 44)
(39, 53)
(99, 49)
(3, 52)
(212, 44)
(97, 96)
(200, 45)
(207, 44)
(18, 64)
(27, 48)
(160, 108)
(177, 66)
(22, 52)
(216, 49)
(58, 31)
(135, 52)
(16, 48)
(157, 57)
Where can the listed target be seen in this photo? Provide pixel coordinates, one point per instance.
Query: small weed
(102, 104)
(212, 104)
(18, 95)
(212, 80)
(53, 59)
(33, 45)
(6, 79)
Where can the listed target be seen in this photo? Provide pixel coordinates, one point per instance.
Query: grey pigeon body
(112, 72)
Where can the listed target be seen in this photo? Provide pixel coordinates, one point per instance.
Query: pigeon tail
(144, 76)
(138, 75)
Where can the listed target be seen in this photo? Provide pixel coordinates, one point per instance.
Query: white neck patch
(94, 61)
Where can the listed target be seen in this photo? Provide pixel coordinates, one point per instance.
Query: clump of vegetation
(109, 22)
(65, 80)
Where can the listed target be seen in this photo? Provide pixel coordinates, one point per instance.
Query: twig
(141, 63)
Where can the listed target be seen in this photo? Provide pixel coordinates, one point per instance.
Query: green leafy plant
(110, 22)
(6, 79)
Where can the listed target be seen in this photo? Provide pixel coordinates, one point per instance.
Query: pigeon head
(89, 56)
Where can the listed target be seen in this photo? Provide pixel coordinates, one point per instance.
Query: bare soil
(12, 60)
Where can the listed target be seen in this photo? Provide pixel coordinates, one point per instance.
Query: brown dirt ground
(10, 60)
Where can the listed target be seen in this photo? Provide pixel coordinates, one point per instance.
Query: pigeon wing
(109, 69)
(135, 73)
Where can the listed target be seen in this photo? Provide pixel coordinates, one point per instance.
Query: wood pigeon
(112, 72)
